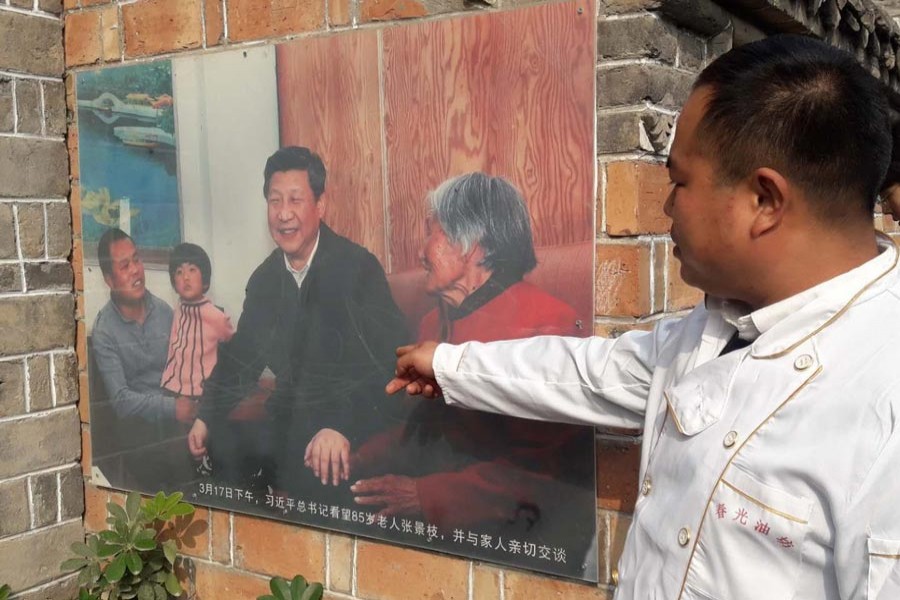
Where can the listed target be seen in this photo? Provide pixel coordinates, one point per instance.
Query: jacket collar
(698, 392)
(824, 304)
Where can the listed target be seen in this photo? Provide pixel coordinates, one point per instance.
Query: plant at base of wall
(5, 591)
(297, 589)
(129, 560)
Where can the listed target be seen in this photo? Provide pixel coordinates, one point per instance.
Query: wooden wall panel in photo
(328, 100)
(507, 93)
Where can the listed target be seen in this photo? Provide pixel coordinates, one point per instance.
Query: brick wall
(41, 499)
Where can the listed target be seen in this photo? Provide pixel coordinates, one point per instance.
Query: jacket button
(614, 576)
(730, 439)
(803, 362)
(646, 486)
(684, 536)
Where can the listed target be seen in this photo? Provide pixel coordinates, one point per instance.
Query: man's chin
(131, 297)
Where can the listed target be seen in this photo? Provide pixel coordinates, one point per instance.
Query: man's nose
(667, 206)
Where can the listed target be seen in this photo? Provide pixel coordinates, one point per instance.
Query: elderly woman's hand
(414, 371)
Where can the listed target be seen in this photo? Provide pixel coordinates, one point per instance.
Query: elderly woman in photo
(458, 468)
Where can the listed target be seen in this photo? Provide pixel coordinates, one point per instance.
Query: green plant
(130, 560)
(5, 591)
(297, 589)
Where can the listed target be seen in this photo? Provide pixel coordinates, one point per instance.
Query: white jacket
(772, 472)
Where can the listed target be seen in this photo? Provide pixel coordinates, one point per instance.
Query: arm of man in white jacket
(591, 381)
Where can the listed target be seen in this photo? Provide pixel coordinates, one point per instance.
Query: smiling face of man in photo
(126, 275)
(294, 214)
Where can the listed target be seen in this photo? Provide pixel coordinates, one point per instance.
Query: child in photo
(197, 328)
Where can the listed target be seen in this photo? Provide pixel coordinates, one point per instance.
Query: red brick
(95, 500)
(258, 19)
(340, 562)
(80, 342)
(338, 12)
(523, 586)
(109, 24)
(70, 4)
(157, 26)
(213, 582)
(84, 402)
(215, 22)
(680, 295)
(78, 265)
(387, 10)
(635, 194)
(617, 475)
(389, 573)
(86, 452)
(623, 280)
(94, 2)
(82, 38)
(486, 583)
(221, 536)
(191, 533)
(275, 548)
(72, 144)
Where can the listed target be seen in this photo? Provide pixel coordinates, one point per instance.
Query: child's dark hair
(191, 254)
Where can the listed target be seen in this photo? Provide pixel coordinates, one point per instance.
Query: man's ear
(108, 280)
(771, 192)
(321, 204)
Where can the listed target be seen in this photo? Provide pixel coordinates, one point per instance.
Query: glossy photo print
(287, 217)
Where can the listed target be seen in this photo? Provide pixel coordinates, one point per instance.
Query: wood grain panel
(507, 93)
(328, 100)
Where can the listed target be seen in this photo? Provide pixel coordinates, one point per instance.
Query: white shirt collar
(300, 274)
(752, 324)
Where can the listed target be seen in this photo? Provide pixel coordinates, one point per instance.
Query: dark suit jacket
(330, 345)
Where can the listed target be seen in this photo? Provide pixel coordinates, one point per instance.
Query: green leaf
(298, 586)
(172, 500)
(86, 577)
(170, 550)
(73, 564)
(112, 537)
(313, 592)
(145, 540)
(160, 592)
(5, 591)
(145, 592)
(280, 588)
(180, 510)
(116, 569)
(159, 577)
(134, 562)
(116, 512)
(266, 597)
(172, 585)
(133, 505)
(106, 550)
(81, 549)
(155, 563)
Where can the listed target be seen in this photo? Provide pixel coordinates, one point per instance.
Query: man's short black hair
(111, 235)
(193, 255)
(296, 158)
(806, 109)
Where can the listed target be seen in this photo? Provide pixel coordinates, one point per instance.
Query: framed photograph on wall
(339, 196)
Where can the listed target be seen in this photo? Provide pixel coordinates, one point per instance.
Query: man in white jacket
(770, 465)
